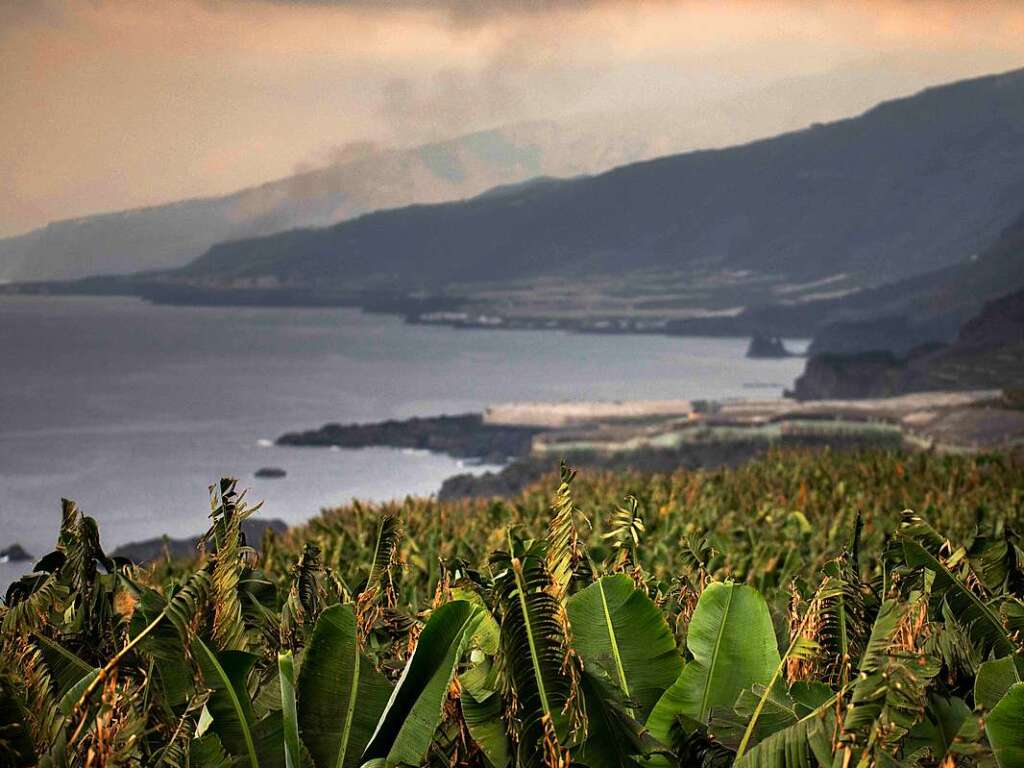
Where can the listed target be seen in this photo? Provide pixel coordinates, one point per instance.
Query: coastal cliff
(988, 352)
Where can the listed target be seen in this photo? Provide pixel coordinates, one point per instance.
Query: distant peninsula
(463, 436)
(661, 436)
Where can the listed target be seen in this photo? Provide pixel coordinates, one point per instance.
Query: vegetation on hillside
(792, 612)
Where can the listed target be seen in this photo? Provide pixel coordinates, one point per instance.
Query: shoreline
(662, 435)
(651, 436)
(455, 312)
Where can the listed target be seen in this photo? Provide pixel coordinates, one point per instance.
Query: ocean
(133, 410)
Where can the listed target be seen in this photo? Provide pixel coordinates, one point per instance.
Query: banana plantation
(840, 610)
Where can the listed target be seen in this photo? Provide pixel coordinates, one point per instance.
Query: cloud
(462, 11)
(116, 103)
(522, 79)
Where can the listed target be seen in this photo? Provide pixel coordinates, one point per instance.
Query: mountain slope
(364, 178)
(895, 317)
(910, 186)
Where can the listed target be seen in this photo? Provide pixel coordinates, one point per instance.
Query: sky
(112, 104)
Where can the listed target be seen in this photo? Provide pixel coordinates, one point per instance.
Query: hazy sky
(107, 104)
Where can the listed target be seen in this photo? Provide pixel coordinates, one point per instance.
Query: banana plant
(541, 676)
(907, 653)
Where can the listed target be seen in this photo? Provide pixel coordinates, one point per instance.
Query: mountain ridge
(911, 185)
(168, 235)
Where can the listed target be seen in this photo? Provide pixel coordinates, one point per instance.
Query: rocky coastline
(462, 436)
(528, 439)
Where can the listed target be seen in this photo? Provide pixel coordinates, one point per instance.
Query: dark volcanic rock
(270, 472)
(154, 549)
(14, 554)
(766, 347)
(988, 353)
(865, 374)
(463, 436)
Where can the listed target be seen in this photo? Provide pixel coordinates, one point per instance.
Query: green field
(790, 612)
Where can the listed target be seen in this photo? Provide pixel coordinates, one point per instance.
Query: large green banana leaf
(65, 668)
(486, 726)
(225, 675)
(994, 679)
(778, 711)
(407, 726)
(734, 648)
(268, 734)
(618, 630)
(1005, 728)
(806, 743)
(340, 695)
(166, 647)
(939, 729)
(289, 712)
(207, 752)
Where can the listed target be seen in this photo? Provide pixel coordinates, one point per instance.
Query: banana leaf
(340, 694)
(481, 702)
(618, 630)
(938, 731)
(806, 743)
(981, 623)
(734, 648)
(778, 711)
(486, 726)
(65, 667)
(414, 711)
(268, 736)
(1005, 728)
(225, 675)
(614, 738)
(286, 675)
(207, 751)
(534, 652)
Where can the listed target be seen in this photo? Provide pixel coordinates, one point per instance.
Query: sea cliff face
(988, 352)
(861, 375)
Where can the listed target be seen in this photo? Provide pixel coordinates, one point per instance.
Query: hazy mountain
(361, 179)
(910, 186)
(364, 178)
